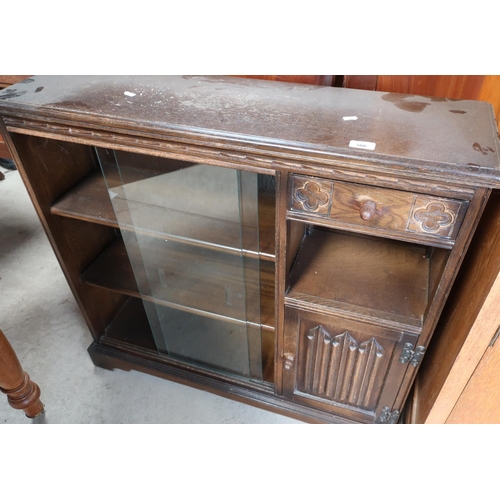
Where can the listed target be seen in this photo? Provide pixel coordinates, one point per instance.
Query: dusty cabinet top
(414, 135)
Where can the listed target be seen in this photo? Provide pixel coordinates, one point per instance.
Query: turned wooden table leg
(22, 393)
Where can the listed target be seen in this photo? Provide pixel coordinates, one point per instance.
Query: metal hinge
(414, 357)
(388, 417)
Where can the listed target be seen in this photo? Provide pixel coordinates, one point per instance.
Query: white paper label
(362, 145)
(348, 118)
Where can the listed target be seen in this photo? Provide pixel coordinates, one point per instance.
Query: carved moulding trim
(386, 173)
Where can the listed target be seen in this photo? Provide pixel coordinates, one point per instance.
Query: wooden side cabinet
(287, 245)
(5, 81)
(459, 378)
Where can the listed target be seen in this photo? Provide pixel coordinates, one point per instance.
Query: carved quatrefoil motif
(433, 217)
(311, 196)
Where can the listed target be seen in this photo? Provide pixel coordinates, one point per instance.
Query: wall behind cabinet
(474, 87)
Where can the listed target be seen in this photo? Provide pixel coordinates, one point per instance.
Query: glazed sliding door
(191, 233)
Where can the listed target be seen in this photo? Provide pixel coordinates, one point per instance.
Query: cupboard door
(344, 367)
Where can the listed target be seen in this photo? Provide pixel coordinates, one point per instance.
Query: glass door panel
(191, 232)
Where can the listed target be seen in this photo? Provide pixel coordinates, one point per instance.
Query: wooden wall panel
(368, 82)
(7, 80)
(474, 87)
(490, 91)
(453, 87)
(309, 79)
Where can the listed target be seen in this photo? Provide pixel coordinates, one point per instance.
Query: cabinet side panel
(50, 168)
(452, 355)
(448, 277)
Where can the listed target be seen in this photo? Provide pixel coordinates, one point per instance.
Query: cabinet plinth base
(111, 358)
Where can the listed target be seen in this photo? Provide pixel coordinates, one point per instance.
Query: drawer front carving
(378, 208)
(312, 195)
(435, 216)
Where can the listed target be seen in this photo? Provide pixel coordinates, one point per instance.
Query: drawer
(374, 207)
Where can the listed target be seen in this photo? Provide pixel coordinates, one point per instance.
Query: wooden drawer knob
(367, 210)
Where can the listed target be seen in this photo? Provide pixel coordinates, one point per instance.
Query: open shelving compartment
(373, 278)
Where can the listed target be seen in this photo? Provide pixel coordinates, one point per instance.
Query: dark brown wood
(89, 200)
(388, 280)
(295, 235)
(377, 199)
(346, 205)
(119, 357)
(199, 288)
(351, 368)
(315, 122)
(281, 270)
(22, 393)
(131, 327)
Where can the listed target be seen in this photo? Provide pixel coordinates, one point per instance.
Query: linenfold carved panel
(342, 369)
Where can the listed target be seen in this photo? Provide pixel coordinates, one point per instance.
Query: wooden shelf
(199, 289)
(131, 325)
(382, 280)
(89, 200)
(131, 328)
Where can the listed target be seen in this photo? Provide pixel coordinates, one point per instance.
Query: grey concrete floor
(39, 316)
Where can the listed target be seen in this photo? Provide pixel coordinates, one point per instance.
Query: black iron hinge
(408, 354)
(388, 417)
